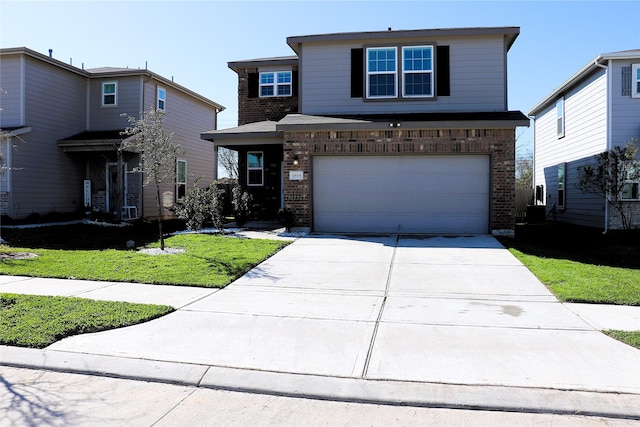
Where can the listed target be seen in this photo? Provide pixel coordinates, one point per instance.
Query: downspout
(597, 63)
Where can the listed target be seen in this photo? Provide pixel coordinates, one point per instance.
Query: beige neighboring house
(64, 129)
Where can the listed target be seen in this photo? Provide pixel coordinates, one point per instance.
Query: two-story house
(595, 110)
(62, 133)
(388, 131)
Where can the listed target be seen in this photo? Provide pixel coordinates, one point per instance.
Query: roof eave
(568, 84)
(511, 32)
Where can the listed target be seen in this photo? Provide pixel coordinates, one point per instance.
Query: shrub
(241, 201)
(200, 205)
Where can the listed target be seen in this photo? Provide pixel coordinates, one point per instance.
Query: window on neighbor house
(162, 99)
(631, 187)
(560, 117)
(635, 81)
(417, 71)
(181, 179)
(561, 185)
(277, 83)
(255, 168)
(109, 94)
(382, 72)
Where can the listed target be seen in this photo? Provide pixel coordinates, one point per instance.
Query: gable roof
(108, 72)
(586, 70)
(511, 33)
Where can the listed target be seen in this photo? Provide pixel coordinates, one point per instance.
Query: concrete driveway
(347, 314)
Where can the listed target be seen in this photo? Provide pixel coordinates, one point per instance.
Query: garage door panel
(419, 194)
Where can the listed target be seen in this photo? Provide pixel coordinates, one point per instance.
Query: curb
(381, 392)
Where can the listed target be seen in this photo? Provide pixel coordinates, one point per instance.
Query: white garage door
(418, 194)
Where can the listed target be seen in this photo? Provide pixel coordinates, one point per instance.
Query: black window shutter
(442, 71)
(626, 81)
(252, 81)
(357, 73)
(294, 83)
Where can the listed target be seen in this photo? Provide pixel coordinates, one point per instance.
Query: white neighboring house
(595, 110)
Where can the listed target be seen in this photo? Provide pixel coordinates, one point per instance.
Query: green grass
(209, 261)
(630, 338)
(575, 281)
(38, 321)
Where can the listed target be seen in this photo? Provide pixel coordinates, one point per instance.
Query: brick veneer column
(499, 143)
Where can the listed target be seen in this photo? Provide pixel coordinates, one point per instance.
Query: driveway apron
(457, 310)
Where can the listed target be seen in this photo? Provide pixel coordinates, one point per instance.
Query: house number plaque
(296, 175)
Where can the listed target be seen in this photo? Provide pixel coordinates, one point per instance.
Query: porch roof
(446, 120)
(87, 141)
(265, 129)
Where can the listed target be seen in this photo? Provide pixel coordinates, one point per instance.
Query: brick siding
(499, 143)
(251, 110)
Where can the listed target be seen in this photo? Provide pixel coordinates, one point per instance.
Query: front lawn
(574, 281)
(208, 261)
(579, 264)
(37, 321)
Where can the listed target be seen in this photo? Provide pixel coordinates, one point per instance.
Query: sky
(192, 41)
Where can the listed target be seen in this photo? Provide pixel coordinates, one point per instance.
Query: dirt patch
(17, 255)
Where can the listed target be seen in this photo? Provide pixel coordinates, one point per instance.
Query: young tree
(524, 172)
(158, 154)
(229, 161)
(611, 175)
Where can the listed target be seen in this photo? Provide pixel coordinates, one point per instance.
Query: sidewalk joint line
(379, 318)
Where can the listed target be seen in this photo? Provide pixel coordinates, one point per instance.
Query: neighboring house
(64, 126)
(391, 131)
(597, 109)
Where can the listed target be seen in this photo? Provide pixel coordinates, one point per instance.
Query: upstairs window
(278, 83)
(635, 81)
(560, 117)
(181, 179)
(381, 72)
(109, 94)
(255, 168)
(162, 99)
(417, 71)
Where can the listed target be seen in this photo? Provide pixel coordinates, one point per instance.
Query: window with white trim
(561, 185)
(181, 179)
(417, 71)
(276, 83)
(631, 187)
(109, 94)
(255, 168)
(560, 117)
(382, 79)
(161, 99)
(635, 81)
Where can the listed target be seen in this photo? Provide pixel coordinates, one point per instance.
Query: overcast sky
(192, 41)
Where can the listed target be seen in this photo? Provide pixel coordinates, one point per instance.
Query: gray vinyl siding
(45, 179)
(186, 117)
(128, 102)
(477, 70)
(585, 136)
(625, 122)
(11, 99)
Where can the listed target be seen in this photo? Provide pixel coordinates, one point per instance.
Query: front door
(116, 187)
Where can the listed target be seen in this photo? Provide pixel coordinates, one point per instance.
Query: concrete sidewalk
(443, 322)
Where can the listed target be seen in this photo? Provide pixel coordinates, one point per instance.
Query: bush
(241, 201)
(200, 205)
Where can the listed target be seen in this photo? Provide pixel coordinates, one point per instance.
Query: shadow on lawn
(86, 236)
(575, 243)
